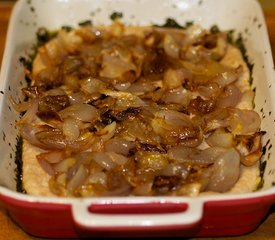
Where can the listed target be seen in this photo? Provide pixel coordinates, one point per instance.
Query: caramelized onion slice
(64, 165)
(119, 145)
(104, 160)
(228, 77)
(180, 96)
(71, 129)
(225, 171)
(174, 118)
(170, 46)
(46, 166)
(108, 131)
(77, 179)
(83, 112)
(220, 138)
(230, 97)
(180, 153)
(244, 122)
(176, 169)
(30, 115)
(207, 156)
(51, 156)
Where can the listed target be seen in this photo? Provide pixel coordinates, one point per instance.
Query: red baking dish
(207, 215)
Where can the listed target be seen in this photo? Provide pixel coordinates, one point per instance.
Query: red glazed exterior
(220, 218)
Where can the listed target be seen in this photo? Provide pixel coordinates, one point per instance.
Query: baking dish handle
(117, 216)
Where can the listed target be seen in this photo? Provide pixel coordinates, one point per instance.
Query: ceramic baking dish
(216, 215)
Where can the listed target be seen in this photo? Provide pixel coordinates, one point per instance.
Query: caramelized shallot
(142, 111)
(225, 171)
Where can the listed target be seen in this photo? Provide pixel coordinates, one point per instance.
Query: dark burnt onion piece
(249, 146)
(50, 117)
(191, 137)
(147, 147)
(176, 128)
(53, 103)
(107, 117)
(155, 62)
(128, 113)
(185, 136)
(110, 115)
(34, 91)
(164, 184)
(200, 106)
(51, 139)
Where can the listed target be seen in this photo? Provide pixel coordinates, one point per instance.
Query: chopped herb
(230, 36)
(172, 23)
(262, 170)
(4, 136)
(214, 29)
(27, 63)
(67, 28)
(43, 36)
(116, 15)
(85, 23)
(19, 163)
(188, 24)
(28, 80)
